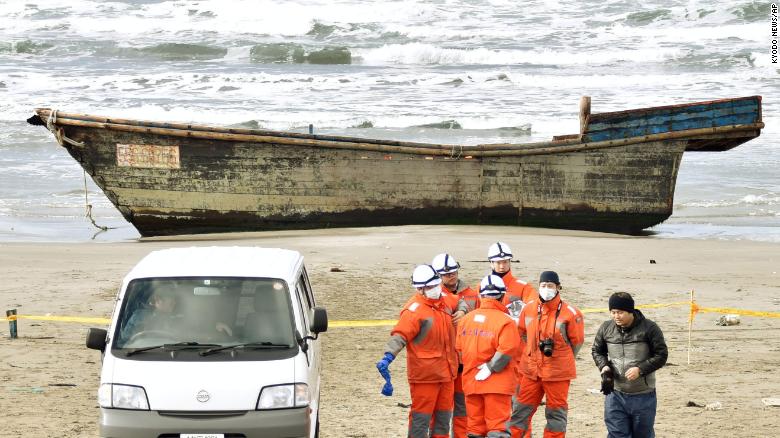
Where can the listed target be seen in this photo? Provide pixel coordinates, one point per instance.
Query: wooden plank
(685, 107)
(660, 117)
(281, 202)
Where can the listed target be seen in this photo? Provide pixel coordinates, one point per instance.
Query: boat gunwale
(45, 113)
(453, 151)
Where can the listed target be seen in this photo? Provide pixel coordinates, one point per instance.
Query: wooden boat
(617, 175)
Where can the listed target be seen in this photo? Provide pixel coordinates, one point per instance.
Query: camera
(546, 346)
(515, 307)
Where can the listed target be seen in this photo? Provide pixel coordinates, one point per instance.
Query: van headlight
(122, 397)
(284, 396)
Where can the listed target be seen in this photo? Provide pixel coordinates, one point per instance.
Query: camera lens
(546, 346)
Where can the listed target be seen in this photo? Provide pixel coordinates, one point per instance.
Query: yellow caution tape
(87, 320)
(696, 308)
(364, 323)
(391, 322)
(643, 306)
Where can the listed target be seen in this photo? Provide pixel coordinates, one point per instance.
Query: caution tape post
(10, 315)
(691, 315)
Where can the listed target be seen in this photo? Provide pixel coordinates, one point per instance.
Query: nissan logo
(203, 396)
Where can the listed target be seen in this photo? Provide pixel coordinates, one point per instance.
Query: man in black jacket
(628, 349)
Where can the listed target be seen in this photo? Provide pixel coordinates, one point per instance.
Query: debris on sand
(772, 401)
(730, 319)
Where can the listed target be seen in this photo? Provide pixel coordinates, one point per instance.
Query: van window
(309, 293)
(300, 291)
(205, 310)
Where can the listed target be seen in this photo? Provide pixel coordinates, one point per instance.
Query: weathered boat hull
(166, 180)
(251, 186)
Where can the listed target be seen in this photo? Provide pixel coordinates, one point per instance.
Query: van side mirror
(96, 339)
(319, 320)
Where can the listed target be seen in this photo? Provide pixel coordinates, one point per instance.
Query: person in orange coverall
(459, 296)
(519, 293)
(554, 332)
(487, 342)
(425, 328)
(500, 258)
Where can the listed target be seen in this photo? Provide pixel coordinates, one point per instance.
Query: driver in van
(161, 316)
(157, 316)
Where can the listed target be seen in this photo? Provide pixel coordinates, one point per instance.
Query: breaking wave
(25, 47)
(751, 12)
(296, 53)
(768, 199)
(184, 51)
(647, 17)
(429, 54)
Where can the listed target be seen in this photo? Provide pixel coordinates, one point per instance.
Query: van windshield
(205, 310)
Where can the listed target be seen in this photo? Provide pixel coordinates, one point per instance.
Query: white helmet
(499, 251)
(445, 264)
(425, 275)
(492, 286)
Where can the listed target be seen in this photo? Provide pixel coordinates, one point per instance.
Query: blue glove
(384, 371)
(384, 363)
(387, 389)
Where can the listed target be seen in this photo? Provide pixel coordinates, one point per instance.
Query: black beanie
(549, 277)
(621, 301)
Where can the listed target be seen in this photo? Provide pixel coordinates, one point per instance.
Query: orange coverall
(547, 376)
(425, 328)
(466, 299)
(488, 335)
(517, 289)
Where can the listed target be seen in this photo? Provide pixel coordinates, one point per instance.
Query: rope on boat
(58, 132)
(457, 147)
(88, 207)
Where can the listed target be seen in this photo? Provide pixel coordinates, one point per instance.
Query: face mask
(434, 293)
(547, 293)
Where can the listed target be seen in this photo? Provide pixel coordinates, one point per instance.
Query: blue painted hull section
(648, 121)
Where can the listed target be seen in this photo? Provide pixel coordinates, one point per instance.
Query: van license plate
(202, 435)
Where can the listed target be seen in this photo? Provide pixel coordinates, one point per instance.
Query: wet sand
(49, 380)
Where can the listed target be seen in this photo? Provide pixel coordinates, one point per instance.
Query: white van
(212, 342)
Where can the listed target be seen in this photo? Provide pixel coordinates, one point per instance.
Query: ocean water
(454, 71)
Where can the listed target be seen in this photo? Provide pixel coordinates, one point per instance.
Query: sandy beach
(49, 380)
